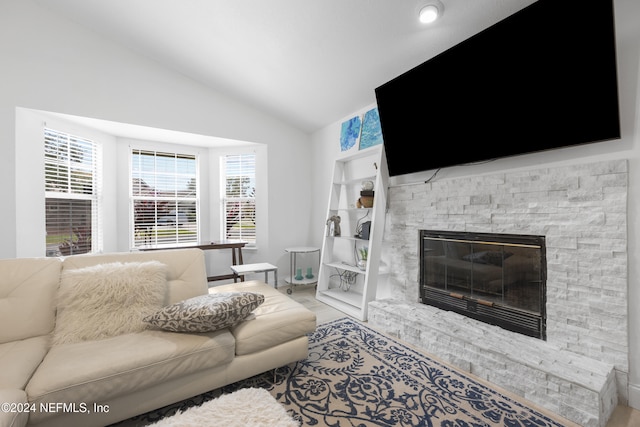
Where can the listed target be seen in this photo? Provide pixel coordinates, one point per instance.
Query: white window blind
(239, 200)
(72, 194)
(164, 198)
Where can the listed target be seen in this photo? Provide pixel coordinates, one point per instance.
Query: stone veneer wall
(580, 209)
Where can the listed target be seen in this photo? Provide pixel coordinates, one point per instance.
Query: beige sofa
(102, 381)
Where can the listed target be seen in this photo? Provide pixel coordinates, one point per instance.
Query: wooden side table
(236, 255)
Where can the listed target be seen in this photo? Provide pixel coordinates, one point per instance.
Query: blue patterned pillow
(206, 313)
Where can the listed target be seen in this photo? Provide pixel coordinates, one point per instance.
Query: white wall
(51, 64)
(326, 148)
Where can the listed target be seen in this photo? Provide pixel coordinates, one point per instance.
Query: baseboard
(634, 396)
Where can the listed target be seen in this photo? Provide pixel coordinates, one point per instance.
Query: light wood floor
(623, 416)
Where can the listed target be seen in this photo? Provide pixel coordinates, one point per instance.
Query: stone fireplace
(581, 370)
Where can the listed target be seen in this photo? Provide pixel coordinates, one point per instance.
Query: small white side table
(306, 277)
(259, 267)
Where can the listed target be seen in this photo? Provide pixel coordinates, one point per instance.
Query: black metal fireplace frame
(507, 317)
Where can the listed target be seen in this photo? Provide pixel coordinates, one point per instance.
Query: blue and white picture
(350, 133)
(371, 130)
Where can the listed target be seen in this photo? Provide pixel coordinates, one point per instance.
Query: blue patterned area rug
(355, 376)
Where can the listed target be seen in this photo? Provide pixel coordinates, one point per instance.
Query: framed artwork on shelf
(350, 133)
(371, 130)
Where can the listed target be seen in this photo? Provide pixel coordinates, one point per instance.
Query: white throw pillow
(107, 300)
(206, 313)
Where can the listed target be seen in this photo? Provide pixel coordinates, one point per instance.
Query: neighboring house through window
(72, 194)
(239, 198)
(164, 199)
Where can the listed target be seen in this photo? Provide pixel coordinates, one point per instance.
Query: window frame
(73, 191)
(181, 217)
(225, 199)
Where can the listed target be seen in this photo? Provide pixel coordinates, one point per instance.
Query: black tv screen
(543, 78)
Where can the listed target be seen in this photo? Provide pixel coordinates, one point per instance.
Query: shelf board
(352, 155)
(348, 297)
(343, 266)
(351, 209)
(358, 239)
(354, 181)
(302, 249)
(304, 281)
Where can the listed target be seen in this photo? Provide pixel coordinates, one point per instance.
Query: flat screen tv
(543, 78)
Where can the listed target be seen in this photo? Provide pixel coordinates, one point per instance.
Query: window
(164, 198)
(72, 194)
(239, 198)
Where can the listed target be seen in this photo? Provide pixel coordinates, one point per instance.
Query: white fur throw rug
(247, 407)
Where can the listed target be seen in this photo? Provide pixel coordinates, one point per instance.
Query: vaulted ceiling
(308, 62)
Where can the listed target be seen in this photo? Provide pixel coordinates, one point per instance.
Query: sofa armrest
(278, 320)
(27, 291)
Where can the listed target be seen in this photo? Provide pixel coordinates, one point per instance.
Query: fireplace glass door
(496, 278)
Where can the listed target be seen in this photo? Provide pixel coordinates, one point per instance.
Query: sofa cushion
(278, 320)
(106, 300)
(206, 313)
(13, 418)
(186, 273)
(21, 313)
(23, 356)
(96, 371)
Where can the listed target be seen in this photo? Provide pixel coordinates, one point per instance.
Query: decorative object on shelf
(345, 279)
(299, 274)
(371, 130)
(367, 185)
(365, 200)
(363, 230)
(362, 261)
(349, 133)
(309, 273)
(333, 224)
(366, 195)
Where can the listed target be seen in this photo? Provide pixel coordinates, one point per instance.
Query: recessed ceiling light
(430, 12)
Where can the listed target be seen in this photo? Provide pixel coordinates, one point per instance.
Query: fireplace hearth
(498, 279)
